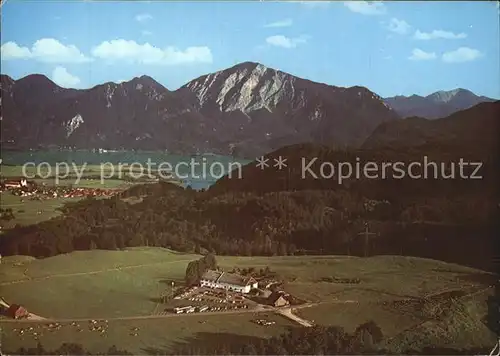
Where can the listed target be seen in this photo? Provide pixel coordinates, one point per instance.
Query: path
(288, 313)
(89, 273)
(259, 309)
(139, 317)
(34, 317)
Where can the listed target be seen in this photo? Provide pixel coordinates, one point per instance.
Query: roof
(235, 279)
(227, 278)
(211, 275)
(275, 296)
(14, 308)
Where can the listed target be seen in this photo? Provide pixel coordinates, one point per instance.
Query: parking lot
(202, 300)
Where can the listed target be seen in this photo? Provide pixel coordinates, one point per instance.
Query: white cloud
(398, 26)
(11, 50)
(286, 42)
(282, 23)
(460, 55)
(46, 50)
(146, 53)
(63, 78)
(366, 7)
(143, 17)
(53, 51)
(438, 34)
(419, 55)
(146, 33)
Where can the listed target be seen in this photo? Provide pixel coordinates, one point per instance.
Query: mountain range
(435, 105)
(472, 135)
(246, 110)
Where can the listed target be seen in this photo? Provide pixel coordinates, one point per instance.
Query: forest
(279, 213)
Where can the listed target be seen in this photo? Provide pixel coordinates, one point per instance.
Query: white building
(228, 281)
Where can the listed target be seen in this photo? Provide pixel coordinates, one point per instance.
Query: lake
(197, 171)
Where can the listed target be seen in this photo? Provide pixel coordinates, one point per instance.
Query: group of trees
(318, 340)
(196, 269)
(67, 348)
(6, 214)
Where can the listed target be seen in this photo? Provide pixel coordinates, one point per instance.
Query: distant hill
(473, 129)
(470, 134)
(436, 105)
(245, 110)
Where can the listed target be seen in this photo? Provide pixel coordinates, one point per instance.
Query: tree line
(319, 340)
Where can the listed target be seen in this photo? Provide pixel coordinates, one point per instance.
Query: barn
(278, 299)
(15, 183)
(229, 281)
(16, 311)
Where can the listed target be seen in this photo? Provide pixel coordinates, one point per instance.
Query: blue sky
(391, 48)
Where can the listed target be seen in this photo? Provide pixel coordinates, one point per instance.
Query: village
(34, 191)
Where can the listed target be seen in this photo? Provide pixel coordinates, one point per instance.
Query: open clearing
(27, 212)
(126, 284)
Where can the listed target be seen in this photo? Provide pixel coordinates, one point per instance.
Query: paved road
(259, 309)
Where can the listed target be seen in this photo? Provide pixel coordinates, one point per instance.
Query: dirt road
(288, 313)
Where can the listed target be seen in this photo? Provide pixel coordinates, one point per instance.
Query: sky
(390, 47)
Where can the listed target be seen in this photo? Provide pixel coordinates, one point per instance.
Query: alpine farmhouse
(228, 281)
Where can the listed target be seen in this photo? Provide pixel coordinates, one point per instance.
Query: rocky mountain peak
(245, 87)
(147, 82)
(447, 96)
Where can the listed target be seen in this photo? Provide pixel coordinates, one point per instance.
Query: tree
(192, 277)
(196, 269)
(282, 250)
(210, 261)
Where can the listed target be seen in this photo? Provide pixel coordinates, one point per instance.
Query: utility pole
(366, 233)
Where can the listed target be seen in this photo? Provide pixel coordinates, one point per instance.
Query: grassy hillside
(113, 284)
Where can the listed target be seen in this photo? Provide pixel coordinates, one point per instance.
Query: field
(28, 212)
(112, 176)
(124, 286)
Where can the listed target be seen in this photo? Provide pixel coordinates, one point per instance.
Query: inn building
(228, 281)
